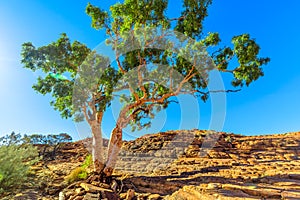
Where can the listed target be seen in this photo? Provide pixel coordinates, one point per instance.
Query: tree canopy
(144, 28)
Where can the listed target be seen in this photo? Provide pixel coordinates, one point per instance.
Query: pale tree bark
(97, 146)
(115, 144)
(95, 119)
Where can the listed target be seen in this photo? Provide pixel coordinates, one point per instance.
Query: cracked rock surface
(183, 164)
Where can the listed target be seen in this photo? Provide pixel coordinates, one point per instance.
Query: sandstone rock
(262, 192)
(19, 195)
(213, 186)
(270, 163)
(78, 190)
(123, 195)
(187, 193)
(91, 188)
(61, 196)
(231, 187)
(154, 197)
(90, 196)
(130, 194)
(290, 194)
(79, 198)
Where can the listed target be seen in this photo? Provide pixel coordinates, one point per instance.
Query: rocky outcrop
(191, 164)
(214, 165)
(88, 191)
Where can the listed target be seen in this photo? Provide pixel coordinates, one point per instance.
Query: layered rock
(184, 165)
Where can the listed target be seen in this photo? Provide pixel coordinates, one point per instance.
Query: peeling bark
(114, 147)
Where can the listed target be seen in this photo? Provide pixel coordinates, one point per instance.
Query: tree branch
(216, 91)
(86, 114)
(177, 19)
(140, 76)
(123, 71)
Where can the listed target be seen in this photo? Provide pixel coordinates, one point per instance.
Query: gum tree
(154, 70)
(58, 63)
(149, 66)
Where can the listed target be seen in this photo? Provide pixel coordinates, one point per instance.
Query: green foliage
(80, 173)
(98, 16)
(87, 162)
(211, 40)
(11, 139)
(15, 162)
(247, 52)
(62, 57)
(60, 62)
(193, 14)
(150, 15)
(50, 139)
(74, 175)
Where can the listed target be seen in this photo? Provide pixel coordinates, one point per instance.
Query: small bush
(80, 173)
(75, 175)
(87, 162)
(15, 161)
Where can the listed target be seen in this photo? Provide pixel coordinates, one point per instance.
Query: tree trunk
(97, 147)
(44, 151)
(55, 148)
(114, 147)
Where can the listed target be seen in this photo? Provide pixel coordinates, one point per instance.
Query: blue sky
(270, 105)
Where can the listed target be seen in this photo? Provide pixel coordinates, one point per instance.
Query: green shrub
(80, 173)
(87, 162)
(15, 161)
(74, 175)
